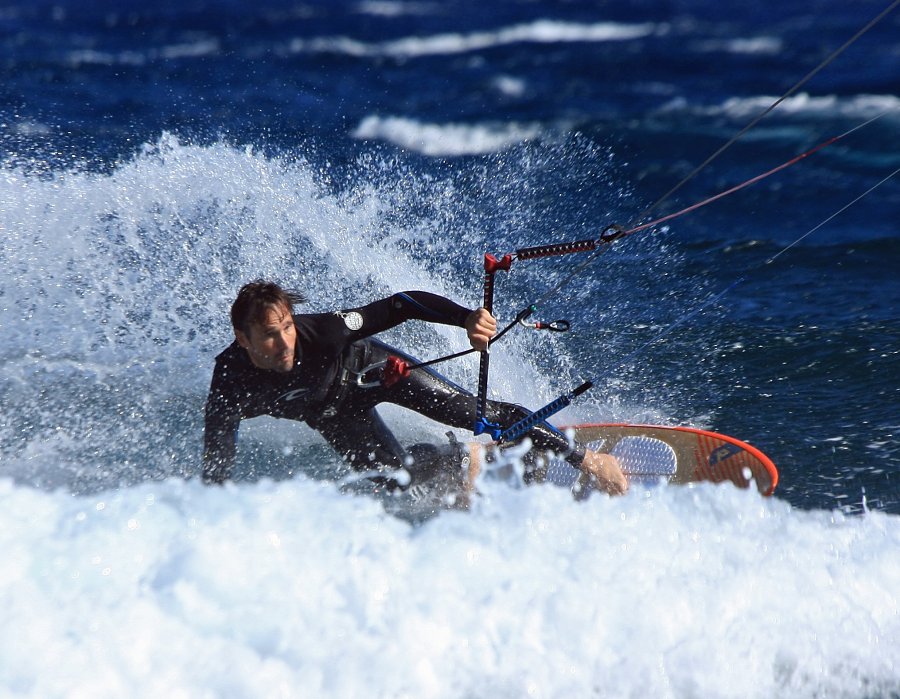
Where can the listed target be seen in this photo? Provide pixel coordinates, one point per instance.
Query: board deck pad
(675, 454)
(645, 459)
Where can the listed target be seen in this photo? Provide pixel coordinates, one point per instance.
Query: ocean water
(153, 159)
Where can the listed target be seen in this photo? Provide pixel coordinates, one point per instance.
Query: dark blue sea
(156, 156)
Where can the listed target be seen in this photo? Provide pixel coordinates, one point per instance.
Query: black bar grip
(555, 249)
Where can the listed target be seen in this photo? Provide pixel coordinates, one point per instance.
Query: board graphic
(675, 454)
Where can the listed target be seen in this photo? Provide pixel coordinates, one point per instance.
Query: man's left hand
(606, 472)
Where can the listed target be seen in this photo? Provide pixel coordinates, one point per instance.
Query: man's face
(271, 343)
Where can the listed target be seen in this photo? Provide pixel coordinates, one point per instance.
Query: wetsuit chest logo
(292, 395)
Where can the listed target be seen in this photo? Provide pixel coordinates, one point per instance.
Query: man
(318, 368)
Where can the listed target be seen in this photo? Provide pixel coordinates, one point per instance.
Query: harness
(356, 371)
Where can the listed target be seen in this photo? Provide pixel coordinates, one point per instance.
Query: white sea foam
(194, 49)
(758, 45)
(543, 31)
(28, 128)
(803, 104)
(510, 86)
(445, 139)
(290, 589)
(395, 8)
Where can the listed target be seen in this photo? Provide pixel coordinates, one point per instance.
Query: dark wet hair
(256, 298)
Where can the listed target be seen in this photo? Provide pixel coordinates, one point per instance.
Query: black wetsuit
(321, 389)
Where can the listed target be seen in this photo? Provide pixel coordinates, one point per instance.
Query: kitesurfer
(325, 369)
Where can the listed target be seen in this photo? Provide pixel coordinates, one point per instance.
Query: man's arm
(220, 434)
(423, 305)
(383, 314)
(431, 308)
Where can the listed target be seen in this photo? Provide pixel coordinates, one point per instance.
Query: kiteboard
(654, 453)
